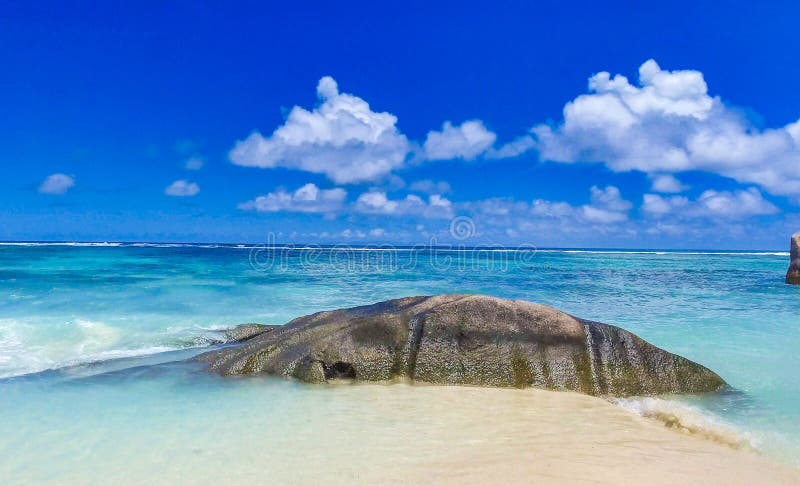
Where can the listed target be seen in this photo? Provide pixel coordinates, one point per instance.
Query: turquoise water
(82, 328)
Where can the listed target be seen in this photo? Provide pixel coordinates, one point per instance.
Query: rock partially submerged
(793, 274)
(243, 332)
(466, 340)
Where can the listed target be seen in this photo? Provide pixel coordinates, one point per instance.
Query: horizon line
(385, 246)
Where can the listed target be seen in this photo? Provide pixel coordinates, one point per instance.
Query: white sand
(401, 434)
(478, 435)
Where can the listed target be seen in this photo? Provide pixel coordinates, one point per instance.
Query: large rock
(793, 274)
(468, 340)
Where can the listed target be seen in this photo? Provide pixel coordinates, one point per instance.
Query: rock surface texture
(793, 274)
(465, 340)
(243, 332)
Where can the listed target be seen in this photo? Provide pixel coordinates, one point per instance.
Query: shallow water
(174, 424)
(62, 306)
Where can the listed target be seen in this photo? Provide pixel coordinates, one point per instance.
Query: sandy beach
(403, 434)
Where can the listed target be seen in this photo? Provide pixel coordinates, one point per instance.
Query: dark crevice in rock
(338, 371)
(415, 328)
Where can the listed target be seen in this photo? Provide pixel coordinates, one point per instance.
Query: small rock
(793, 274)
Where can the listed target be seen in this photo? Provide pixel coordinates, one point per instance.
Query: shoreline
(517, 436)
(269, 430)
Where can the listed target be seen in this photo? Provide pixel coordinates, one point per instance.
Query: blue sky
(378, 122)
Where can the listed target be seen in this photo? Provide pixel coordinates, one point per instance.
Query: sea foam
(689, 420)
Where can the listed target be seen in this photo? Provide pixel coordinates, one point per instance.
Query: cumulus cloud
(465, 141)
(56, 184)
(182, 187)
(668, 123)
(307, 199)
(341, 138)
(666, 183)
(377, 202)
(710, 204)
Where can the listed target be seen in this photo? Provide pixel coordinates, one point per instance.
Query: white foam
(688, 419)
(30, 347)
(123, 353)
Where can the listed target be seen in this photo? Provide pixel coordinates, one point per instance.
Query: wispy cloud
(428, 186)
(710, 204)
(182, 188)
(56, 184)
(195, 162)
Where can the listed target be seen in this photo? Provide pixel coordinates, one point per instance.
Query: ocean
(92, 335)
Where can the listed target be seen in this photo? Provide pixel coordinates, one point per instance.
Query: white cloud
(194, 163)
(496, 207)
(609, 198)
(710, 204)
(377, 232)
(182, 187)
(56, 184)
(709, 217)
(349, 233)
(513, 148)
(669, 123)
(428, 186)
(377, 202)
(549, 209)
(341, 138)
(666, 183)
(655, 205)
(437, 201)
(607, 207)
(307, 199)
(465, 141)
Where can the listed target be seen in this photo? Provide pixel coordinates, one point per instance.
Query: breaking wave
(31, 348)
